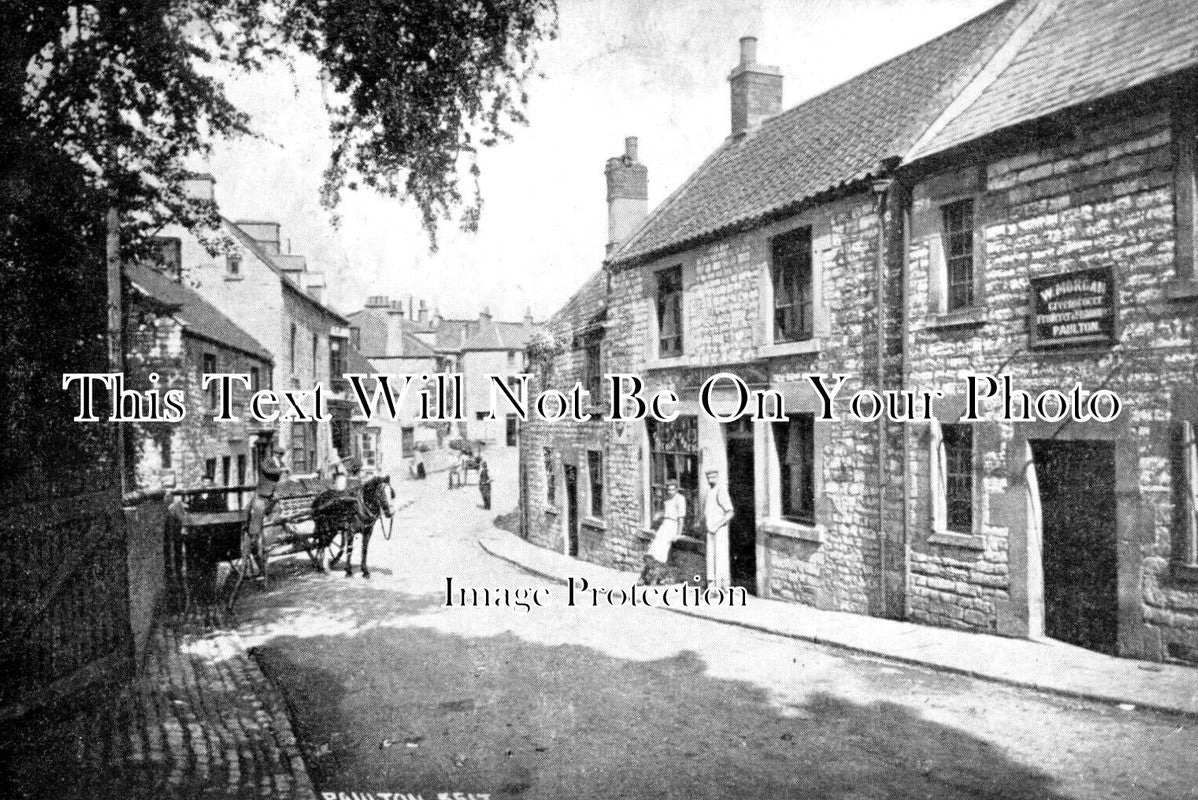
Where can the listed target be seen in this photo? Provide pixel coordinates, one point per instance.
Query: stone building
(172, 338)
(396, 344)
(944, 213)
(273, 295)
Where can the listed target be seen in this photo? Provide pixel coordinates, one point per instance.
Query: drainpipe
(882, 190)
(905, 241)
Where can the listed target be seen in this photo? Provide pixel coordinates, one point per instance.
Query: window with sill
(336, 357)
(1185, 154)
(791, 273)
(303, 447)
(291, 348)
(233, 265)
(669, 312)
(952, 478)
(1187, 488)
(592, 370)
(674, 457)
(550, 479)
(168, 255)
(209, 368)
(958, 238)
(794, 441)
(595, 477)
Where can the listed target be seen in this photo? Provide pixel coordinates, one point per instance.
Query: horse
(349, 513)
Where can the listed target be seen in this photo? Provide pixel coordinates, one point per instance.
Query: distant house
(392, 344)
(173, 337)
(275, 297)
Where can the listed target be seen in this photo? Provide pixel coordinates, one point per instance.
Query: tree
(103, 104)
(130, 91)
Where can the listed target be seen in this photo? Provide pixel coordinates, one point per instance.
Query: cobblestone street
(389, 691)
(202, 722)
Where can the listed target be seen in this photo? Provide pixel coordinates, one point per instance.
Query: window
(511, 359)
(674, 456)
(550, 479)
(291, 350)
(1188, 489)
(233, 265)
(303, 447)
(166, 452)
(1185, 184)
(370, 449)
(592, 371)
(210, 369)
(168, 255)
(315, 357)
(255, 379)
(958, 254)
(355, 337)
(794, 441)
(595, 474)
(226, 470)
(792, 281)
(210, 469)
(669, 312)
(336, 357)
(513, 427)
(241, 467)
(407, 442)
(957, 445)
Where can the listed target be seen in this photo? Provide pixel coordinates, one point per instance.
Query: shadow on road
(420, 710)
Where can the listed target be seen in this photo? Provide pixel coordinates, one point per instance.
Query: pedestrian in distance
(668, 531)
(717, 515)
(484, 483)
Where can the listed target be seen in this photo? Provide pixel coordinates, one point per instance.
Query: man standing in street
(717, 514)
(270, 473)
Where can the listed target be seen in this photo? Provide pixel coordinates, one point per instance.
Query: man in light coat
(717, 514)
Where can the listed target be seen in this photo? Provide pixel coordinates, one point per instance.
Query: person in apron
(669, 531)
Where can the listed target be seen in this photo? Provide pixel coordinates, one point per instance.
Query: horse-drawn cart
(305, 516)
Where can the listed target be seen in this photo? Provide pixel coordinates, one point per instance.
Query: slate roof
(356, 363)
(490, 335)
(198, 317)
(836, 139)
(1082, 51)
(277, 266)
(585, 308)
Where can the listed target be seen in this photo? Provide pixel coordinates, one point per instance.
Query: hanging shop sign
(1073, 308)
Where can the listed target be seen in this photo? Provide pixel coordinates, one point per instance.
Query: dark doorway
(571, 473)
(1077, 502)
(742, 532)
(511, 430)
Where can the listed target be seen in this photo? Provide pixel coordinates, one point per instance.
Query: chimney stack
(422, 313)
(627, 194)
(377, 301)
(395, 328)
(756, 89)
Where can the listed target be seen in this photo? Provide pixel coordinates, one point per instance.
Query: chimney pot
(630, 149)
(748, 50)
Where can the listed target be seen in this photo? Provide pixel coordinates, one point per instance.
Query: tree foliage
(131, 92)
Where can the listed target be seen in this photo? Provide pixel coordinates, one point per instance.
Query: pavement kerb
(487, 544)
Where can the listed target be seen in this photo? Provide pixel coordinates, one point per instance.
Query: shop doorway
(1078, 541)
(571, 475)
(742, 532)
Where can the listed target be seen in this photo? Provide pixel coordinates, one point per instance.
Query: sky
(655, 69)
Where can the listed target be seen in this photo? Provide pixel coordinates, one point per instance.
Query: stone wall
(1102, 196)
